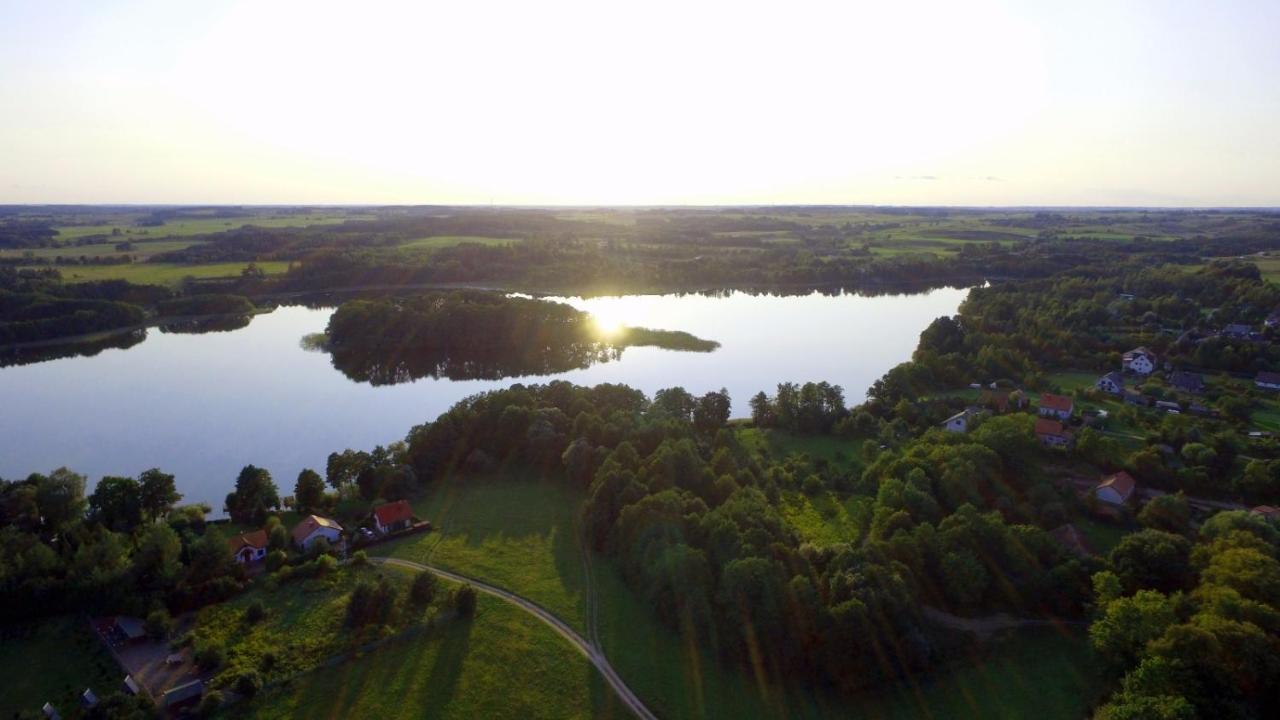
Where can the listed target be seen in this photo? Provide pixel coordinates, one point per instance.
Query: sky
(985, 102)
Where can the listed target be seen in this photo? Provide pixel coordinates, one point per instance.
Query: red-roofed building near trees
(249, 547)
(1056, 406)
(1116, 489)
(393, 516)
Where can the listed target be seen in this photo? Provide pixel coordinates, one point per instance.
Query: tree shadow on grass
(442, 682)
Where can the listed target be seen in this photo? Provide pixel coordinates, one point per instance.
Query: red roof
(255, 539)
(1049, 426)
(1122, 482)
(1267, 511)
(393, 512)
(1056, 402)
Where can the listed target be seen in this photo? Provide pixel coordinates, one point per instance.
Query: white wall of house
(1110, 496)
(1140, 364)
(330, 534)
(957, 424)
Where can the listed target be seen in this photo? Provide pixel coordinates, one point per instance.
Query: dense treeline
(473, 334)
(36, 306)
(692, 517)
(1192, 630)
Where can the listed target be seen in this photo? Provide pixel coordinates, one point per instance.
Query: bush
(209, 704)
(423, 589)
(210, 657)
(360, 558)
(255, 612)
(159, 625)
(248, 684)
(813, 485)
(464, 601)
(276, 560)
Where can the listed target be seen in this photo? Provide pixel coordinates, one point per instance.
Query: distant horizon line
(623, 206)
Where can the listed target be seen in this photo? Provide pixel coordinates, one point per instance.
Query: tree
(464, 601)
(116, 503)
(157, 561)
(423, 589)
(60, 497)
(308, 492)
(255, 495)
(1127, 624)
(342, 468)
(712, 411)
(159, 625)
(761, 410)
(1152, 559)
(1169, 513)
(158, 493)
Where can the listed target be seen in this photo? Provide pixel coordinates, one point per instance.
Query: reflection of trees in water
(207, 325)
(30, 356)
(386, 366)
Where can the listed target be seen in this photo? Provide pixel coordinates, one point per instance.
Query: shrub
(423, 589)
(276, 560)
(255, 612)
(159, 625)
(360, 558)
(248, 684)
(209, 704)
(210, 657)
(464, 601)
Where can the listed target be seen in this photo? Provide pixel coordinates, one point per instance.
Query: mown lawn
(304, 623)
(162, 273)
(827, 518)
(502, 664)
(778, 444)
(516, 532)
(1101, 535)
(52, 661)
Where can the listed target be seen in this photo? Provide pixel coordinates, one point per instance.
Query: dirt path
(588, 649)
(988, 625)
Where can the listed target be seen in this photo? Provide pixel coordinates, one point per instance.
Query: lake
(203, 406)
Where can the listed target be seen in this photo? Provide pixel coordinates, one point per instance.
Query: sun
(607, 325)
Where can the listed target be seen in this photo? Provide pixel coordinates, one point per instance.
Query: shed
(393, 516)
(183, 694)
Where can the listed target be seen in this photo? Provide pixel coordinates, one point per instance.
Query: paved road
(590, 651)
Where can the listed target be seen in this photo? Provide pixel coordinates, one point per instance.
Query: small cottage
(1187, 382)
(1139, 360)
(1267, 511)
(1116, 489)
(250, 547)
(1052, 433)
(1056, 406)
(392, 516)
(1112, 382)
(314, 527)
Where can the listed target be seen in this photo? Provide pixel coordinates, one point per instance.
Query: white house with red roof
(249, 547)
(314, 527)
(392, 516)
(1056, 406)
(1116, 489)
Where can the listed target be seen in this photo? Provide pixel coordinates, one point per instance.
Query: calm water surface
(203, 406)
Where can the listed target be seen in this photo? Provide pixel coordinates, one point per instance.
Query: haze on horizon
(926, 103)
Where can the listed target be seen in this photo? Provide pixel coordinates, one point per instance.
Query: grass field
(519, 534)
(442, 241)
(827, 518)
(302, 627)
(778, 444)
(162, 273)
(1101, 536)
(54, 663)
(180, 227)
(516, 533)
(502, 664)
(141, 249)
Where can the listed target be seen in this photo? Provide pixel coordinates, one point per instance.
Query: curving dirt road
(589, 650)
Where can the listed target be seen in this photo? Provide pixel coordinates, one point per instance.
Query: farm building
(1116, 489)
(1052, 433)
(1139, 360)
(1056, 406)
(1112, 382)
(1187, 382)
(249, 547)
(392, 516)
(314, 527)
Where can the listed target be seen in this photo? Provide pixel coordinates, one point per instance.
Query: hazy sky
(1038, 102)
